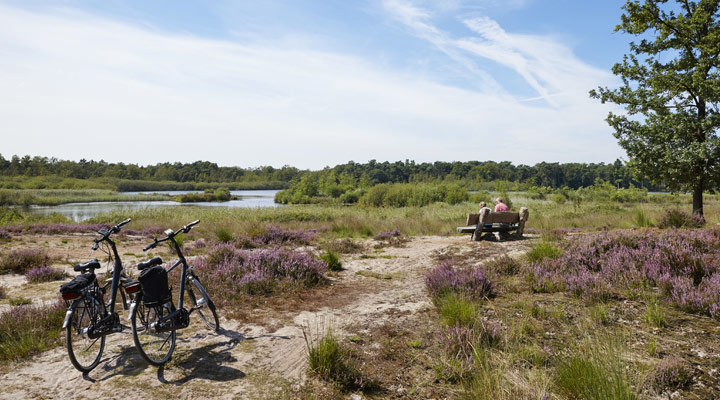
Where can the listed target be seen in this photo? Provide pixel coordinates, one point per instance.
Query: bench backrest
(504, 217)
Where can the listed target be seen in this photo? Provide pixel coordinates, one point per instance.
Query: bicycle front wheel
(83, 351)
(155, 347)
(203, 305)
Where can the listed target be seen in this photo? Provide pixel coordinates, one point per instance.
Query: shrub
(229, 270)
(345, 246)
(28, 330)
(5, 235)
(504, 265)
(387, 235)
(3, 292)
(276, 236)
(670, 373)
(625, 264)
(469, 282)
(45, 274)
(223, 235)
(332, 260)
(680, 219)
(21, 261)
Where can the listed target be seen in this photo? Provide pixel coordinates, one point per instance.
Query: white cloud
(75, 85)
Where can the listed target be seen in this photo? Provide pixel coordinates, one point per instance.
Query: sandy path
(250, 362)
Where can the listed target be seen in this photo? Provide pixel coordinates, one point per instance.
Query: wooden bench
(488, 221)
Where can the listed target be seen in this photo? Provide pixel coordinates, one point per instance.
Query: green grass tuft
(457, 310)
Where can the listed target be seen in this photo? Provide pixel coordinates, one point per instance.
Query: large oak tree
(670, 91)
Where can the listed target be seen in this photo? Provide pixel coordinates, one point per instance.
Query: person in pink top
(500, 206)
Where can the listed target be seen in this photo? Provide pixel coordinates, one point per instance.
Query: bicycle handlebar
(184, 229)
(106, 233)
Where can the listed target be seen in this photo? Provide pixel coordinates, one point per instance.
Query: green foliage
(670, 93)
(654, 314)
(599, 314)
(219, 194)
(543, 250)
(19, 301)
(457, 310)
(223, 235)
(595, 371)
(332, 260)
(641, 219)
(27, 330)
(330, 360)
(679, 219)
(418, 195)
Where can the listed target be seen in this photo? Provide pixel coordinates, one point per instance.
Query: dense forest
(331, 181)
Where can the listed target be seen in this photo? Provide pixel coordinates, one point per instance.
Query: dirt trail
(252, 361)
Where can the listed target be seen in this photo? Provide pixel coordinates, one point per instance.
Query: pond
(83, 211)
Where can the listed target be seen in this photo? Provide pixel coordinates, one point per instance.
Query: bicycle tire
(84, 353)
(155, 347)
(206, 304)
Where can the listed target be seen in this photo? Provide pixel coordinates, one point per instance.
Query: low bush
(680, 219)
(471, 282)
(22, 261)
(27, 330)
(45, 274)
(670, 373)
(230, 271)
(625, 264)
(503, 265)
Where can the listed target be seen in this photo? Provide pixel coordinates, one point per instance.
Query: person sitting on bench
(500, 206)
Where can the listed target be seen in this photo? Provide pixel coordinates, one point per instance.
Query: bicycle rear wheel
(83, 351)
(205, 307)
(155, 347)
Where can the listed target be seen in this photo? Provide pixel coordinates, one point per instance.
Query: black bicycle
(89, 319)
(153, 315)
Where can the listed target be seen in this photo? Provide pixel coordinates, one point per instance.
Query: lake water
(83, 211)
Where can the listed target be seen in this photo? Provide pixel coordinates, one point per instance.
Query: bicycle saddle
(149, 263)
(91, 265)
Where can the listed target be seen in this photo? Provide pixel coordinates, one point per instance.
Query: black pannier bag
(78, 283)
(154, 285)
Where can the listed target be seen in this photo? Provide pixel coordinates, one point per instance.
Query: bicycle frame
(117, 271)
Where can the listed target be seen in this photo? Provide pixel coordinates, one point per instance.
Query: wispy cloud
(546, 65)
(76, 85)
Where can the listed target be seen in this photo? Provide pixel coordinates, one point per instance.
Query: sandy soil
(249, 361)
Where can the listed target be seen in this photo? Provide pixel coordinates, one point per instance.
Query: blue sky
(308, 83)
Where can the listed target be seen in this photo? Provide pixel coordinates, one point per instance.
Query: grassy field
(53, 197)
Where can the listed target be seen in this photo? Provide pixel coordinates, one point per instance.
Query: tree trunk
(698, 197)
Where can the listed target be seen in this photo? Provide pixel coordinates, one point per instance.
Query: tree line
(472, 174)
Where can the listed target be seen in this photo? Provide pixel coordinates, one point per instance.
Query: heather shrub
(471, 282)
(504, 265)
(345, 246)
(275, 236)
(670, 373)
(21, 261)
(27, 330)
(388, 235)
(5, 235)
(680, 219)
(3, 292)
(230, 271)
(461, 344)
(45, 274)
(626, 264)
